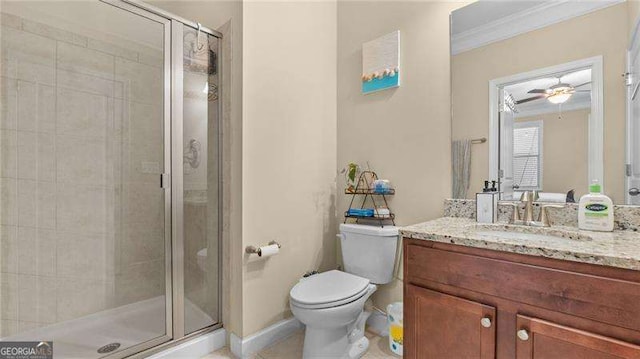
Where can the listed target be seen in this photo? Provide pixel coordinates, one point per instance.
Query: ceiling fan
(556, 94)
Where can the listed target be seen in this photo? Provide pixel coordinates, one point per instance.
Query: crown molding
(537, 17)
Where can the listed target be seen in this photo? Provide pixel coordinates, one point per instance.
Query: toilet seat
(328, 289)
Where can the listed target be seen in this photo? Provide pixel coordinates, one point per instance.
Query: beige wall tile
(23, 46)
(36, 203)
(46, 162)
(145, 204)
(83, 60)
(113, 49)
(33, 109)
(151, 57)
(145, 142)
(36, 299)
(81, 160)
(9, 249)
(142, 243)
(27, 106)
(27, 71)
(46, 204)
(27, 203)
(46, 109)
(27, 250)
(36, 251)
(8, 104)
(9, 296)
(53, 33)
(84, 255)
(27, 155)
(142, 83)
(8, 201)
(77, 297)
(140, 281)
(8, 327)
(8, 153)
(85, 83)
(82, 113)
(81, 208)
(26, 326)
(10, 20)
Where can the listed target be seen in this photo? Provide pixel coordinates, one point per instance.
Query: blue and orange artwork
(381, 63)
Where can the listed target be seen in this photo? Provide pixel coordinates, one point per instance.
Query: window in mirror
(527, 155)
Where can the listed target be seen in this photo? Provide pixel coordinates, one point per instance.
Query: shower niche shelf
(364, 190)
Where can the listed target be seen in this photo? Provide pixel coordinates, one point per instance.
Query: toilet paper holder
(257, 250)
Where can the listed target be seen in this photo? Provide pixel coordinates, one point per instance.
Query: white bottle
(595, 212)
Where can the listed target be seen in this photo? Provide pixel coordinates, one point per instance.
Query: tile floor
(291, 348)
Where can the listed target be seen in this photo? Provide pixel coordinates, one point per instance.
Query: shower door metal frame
(172, 177)
(177, 177)
(166, 130)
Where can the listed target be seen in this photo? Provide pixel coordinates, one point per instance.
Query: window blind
(526, 155)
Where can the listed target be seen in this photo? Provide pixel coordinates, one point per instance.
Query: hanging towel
(461, 167)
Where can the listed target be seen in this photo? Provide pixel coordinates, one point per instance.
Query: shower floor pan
(127, 325)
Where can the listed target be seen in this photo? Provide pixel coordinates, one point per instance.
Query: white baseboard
(245, 347)
(195, 348)
(378, 323)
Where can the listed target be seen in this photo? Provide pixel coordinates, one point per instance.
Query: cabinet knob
(485, 322)
(523, 335)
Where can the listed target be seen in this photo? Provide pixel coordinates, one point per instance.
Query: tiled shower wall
(81, 212)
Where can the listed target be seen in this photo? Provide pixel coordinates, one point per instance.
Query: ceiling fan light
(559, 98)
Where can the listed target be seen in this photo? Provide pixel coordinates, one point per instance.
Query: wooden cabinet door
(439, 326)
(539, 339)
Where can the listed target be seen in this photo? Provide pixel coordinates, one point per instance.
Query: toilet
(331, 304)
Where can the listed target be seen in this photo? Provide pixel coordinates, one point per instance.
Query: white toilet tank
(369, 251)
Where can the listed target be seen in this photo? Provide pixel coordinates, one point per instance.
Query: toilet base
(347, 342)
(358, 348)
(332, 343)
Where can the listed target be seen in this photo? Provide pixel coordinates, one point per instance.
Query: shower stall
(110, 177)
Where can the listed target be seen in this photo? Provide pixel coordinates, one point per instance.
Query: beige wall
(600, 33)
(564, 170)
(289, 150)
(403, 133)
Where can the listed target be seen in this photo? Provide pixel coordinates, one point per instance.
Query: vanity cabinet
(453, 327)
(463, 302)
(540, 339)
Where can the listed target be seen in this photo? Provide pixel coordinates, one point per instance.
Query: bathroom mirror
(544, 97)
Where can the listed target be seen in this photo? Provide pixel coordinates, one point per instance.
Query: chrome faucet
(528, 197)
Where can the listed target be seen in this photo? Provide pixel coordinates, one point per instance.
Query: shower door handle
(164, 181)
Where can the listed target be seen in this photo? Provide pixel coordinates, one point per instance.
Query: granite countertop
(615, 249)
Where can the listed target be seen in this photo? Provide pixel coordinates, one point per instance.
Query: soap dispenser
(487, 204)
(595, 210)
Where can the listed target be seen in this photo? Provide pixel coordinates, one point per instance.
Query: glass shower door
(84, 229)
(201, 200)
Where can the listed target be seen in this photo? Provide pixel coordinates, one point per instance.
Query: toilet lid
(328, 287)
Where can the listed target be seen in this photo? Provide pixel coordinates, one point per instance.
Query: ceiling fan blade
(586, 83)
(538, 91)
(530, 99)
